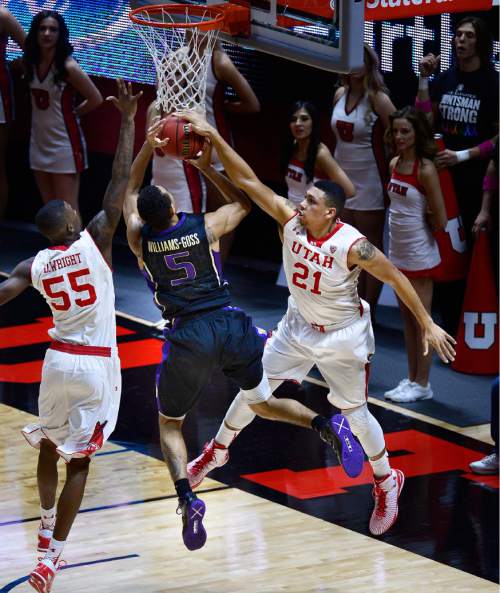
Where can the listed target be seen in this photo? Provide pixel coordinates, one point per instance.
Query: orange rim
(215, 15)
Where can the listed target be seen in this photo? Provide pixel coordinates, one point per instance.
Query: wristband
(462, 155)
(486, 148)
(490, 183)
(423, 106)
(423, 83)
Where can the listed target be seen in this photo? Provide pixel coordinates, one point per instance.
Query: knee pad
(261, 393)
(367, 429)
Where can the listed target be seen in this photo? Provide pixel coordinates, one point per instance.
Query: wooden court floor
(280, 518)
(127, 537)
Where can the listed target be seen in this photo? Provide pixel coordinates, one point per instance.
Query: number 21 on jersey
(302, 280)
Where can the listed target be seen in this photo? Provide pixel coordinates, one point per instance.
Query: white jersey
(77, 284)
(296, 181)
(412, 246)
(57, 144)
(359, 151)
(182, 180)
(321, 285)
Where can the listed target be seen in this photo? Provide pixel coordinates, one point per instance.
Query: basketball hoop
(180, 39)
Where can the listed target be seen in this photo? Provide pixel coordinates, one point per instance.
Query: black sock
(182, 487)
(319, 422)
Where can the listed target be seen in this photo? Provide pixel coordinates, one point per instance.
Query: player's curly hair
(32, 52)
(154, 206)
(51, 218)
(425, 147)
(314, 139)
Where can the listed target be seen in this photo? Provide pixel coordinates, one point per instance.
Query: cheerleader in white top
(416, 209)
(58, 153)
(326, 323)
(361, 109)
(222, 73)
(9, 27)
(307, 159)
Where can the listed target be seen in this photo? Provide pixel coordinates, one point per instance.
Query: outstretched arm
(369, 258)
(240, 173)
(18, 281)
(132, 220)
(226, 218)
(103, 225)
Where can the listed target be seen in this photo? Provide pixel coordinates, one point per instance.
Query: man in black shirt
(463, 106)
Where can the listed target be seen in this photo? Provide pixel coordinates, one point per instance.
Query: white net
(181, 56)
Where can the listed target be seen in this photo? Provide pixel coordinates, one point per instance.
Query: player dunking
(179, 255)
(326, 323)
(81, 382)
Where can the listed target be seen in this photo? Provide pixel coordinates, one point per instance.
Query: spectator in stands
(361, 109)
(417, 208)
(489, 463)
(463, 106)
(9, 27)
(58, 153)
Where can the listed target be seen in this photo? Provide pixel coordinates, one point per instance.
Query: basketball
(184, 143)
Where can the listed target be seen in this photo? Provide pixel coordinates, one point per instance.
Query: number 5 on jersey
(63, 302)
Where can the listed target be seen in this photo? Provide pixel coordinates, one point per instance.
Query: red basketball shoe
(212, 456)
(44, 537)
(386, 492)
(42, 577)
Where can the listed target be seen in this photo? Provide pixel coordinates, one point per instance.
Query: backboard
(326, 34)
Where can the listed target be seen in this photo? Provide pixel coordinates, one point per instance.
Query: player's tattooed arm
(364, 250)
(211, 238)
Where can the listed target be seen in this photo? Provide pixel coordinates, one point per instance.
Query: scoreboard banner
(378, 10)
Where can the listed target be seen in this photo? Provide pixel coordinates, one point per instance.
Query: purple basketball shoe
(193, 511)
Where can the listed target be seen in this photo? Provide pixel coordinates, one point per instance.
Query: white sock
(237, 417)
(225, 436)
(381, 467)
(55, 550)
(48, 517)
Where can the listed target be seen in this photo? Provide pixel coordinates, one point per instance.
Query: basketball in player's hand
(183, 142)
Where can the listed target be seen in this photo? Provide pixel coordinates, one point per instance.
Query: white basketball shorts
(342, 356)
(78, 403)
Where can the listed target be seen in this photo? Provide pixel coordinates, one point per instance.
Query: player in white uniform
(417, 208)
(361, 111)
(58, 153)
(326, 323)
(81, 382)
